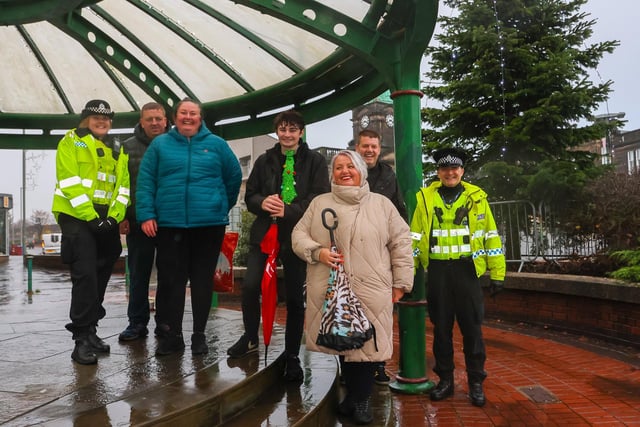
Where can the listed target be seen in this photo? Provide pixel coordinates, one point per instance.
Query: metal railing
(529, 234)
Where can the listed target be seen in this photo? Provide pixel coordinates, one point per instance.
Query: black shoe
(443, 390)
(172, 343)
(133, 332)
(161, 330)
(293, 370)
(243, 347)
(97, 345)
(381, 375)
(476, 394)
(83, 353)
(199, 343)
(363, 413)
(346, 407)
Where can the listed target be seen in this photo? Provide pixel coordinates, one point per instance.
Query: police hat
(447, 157)
(96, 107)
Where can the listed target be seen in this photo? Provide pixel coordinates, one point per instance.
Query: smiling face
(188, 118)
(345, 172)
(153, 122)
(450, 176)
(369, 148)
(99, 125)
(289, 135)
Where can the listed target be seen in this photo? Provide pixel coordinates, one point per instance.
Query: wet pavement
(536, 377)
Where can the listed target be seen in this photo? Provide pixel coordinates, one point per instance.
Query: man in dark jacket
(142, 249)
(281, 185)
(382, 180)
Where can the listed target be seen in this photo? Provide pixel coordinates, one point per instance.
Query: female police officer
(91, 197)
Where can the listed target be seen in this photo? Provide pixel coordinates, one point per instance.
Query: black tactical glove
(96, 225)
(495, 287)
(111, 224)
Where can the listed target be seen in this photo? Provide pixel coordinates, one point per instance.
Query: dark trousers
(295, 273)
(454, 293)
(186, 254)
(91, 258)
(142, 251)
(358, 378)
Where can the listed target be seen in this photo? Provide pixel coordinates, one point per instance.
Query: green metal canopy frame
(244, 60)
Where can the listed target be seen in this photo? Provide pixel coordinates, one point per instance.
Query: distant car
(51, 243)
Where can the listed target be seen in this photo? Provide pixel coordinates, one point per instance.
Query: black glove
(495, 287)
(111, 224)
(96, 225)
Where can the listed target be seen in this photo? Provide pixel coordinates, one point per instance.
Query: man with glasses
(281, 185)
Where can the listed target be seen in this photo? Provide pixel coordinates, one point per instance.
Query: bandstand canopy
(244, 60)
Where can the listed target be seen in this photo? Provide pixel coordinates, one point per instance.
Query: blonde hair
(358, 162)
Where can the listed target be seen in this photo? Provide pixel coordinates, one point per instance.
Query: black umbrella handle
(334, 223)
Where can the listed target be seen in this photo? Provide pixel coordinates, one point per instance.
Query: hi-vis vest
(86, 174)
(486, 245)
(449, 240)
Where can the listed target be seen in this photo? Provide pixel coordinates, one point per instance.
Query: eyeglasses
(291, 129)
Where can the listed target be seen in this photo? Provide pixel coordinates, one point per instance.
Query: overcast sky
(616, 20)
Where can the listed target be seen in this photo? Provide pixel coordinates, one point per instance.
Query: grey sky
(617, 20)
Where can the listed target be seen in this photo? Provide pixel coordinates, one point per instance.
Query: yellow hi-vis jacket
(486, 246)
(85, 178)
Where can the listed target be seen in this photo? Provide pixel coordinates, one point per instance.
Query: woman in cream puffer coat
(375, 247)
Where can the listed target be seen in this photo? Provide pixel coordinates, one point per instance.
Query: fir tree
(513, 82)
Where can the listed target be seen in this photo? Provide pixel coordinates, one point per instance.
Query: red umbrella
(270, 246)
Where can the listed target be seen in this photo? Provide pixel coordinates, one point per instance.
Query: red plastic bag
(223, 276)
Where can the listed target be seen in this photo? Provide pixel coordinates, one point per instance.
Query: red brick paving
(591, 388)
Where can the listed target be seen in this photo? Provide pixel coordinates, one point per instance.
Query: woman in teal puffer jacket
(189, 180)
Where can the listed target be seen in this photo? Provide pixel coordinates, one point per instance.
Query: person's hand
(124, 226)
(150, 227)
(95, 225)
(329, 258)
(110, 223)
(397, 294)
(495, 287)
(273, 205)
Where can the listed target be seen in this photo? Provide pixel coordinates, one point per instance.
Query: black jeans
(142, 251)
(91, 258)
(186, 254)
(454, 293)
(295, 274)
(359, 379)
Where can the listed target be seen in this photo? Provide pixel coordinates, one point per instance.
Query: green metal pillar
(412, 375)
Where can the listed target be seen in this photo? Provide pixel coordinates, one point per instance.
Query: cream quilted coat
(376, 245)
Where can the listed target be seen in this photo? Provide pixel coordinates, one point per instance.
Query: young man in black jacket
(281, 185)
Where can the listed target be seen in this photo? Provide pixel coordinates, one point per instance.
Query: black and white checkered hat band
(450, 160)
(101, 109)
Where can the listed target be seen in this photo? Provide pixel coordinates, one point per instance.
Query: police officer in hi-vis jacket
(90, 199)
(456, 240)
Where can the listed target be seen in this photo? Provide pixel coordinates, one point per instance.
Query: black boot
(443, 390)
(476, 394)
(199, 343)
(169, 344)
(83, 353)
(363, 413)
(97, 345)
(293, 371)
(346, 407)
